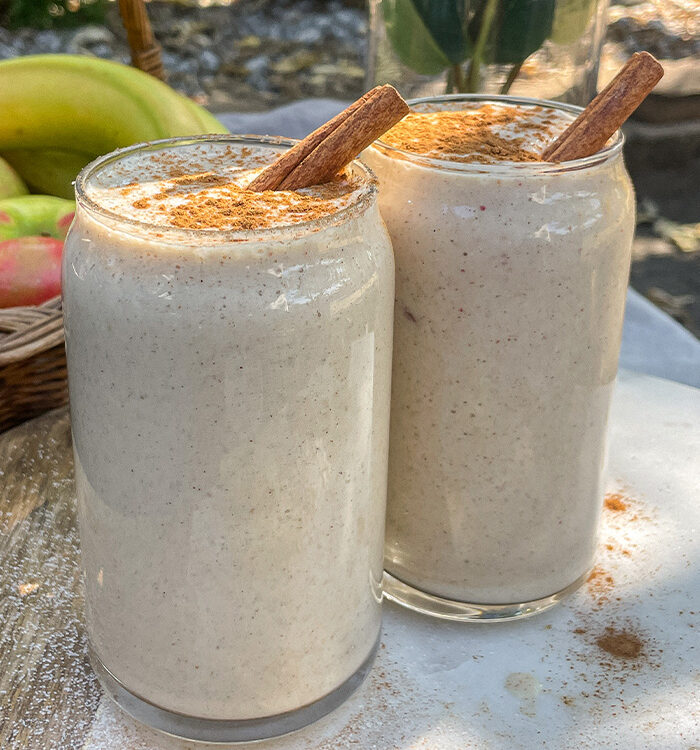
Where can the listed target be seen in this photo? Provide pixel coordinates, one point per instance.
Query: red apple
(30, 270)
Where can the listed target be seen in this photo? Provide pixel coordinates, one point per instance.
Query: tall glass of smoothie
(229, 360)
(510, 287)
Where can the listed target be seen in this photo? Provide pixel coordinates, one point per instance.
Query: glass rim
(184, 235)
(608, 152)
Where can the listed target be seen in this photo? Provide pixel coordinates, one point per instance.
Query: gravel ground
(252, 55)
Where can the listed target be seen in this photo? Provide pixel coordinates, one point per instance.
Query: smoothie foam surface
(204, 186)
(476, 132)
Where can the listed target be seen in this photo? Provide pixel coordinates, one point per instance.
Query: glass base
(224, 730)
(447, 609)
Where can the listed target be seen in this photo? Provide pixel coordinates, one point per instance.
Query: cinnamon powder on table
(614, 502)
(601, 588)
(471, 135)
(623, 644)
(600, 584)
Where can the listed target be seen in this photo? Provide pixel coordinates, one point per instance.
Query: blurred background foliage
(47, 14)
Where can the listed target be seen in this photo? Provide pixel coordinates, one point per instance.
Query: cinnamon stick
(323, 153)
(590, 131)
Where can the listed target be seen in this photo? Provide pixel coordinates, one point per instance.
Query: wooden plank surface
(48, 693)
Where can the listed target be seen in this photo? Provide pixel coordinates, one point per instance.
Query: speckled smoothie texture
(510, 289)
(230, 408)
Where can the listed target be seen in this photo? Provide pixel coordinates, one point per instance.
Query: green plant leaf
(520, 29)
(446, 20)
(426, 36)
(49, 14)
(571, 19)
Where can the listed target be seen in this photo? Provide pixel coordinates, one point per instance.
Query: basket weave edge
(27, 331)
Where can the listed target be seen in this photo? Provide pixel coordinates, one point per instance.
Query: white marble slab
(547, 682)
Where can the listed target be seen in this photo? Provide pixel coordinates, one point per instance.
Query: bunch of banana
(11, 183)
(61, 111)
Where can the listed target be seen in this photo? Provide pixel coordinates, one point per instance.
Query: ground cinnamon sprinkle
(600, 585)
(474, 135)
(214, 201)
(207, 188)
(614, 502)
(234, 208)
(620, 643)
(203, 178)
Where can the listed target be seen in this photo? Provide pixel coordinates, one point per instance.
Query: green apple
(27, 215)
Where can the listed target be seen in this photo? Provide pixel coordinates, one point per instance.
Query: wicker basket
(32, 349)
(32, 362)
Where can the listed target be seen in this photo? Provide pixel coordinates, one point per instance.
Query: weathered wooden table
(616, 665)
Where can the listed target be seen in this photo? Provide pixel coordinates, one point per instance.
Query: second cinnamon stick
(591, 130)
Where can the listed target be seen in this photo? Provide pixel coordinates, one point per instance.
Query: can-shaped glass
(510, 292)
(229, 397)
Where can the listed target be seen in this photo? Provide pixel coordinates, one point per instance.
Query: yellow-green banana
(11, 183)
(50, 171)
(205, 118)
(72, 102)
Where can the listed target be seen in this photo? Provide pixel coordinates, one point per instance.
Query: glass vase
(548, 49)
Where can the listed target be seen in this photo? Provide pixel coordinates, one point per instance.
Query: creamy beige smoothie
(229, 362)
(510, 288)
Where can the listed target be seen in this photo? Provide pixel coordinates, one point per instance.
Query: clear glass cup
(549, 49)
(510, 292)
(229, 396)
